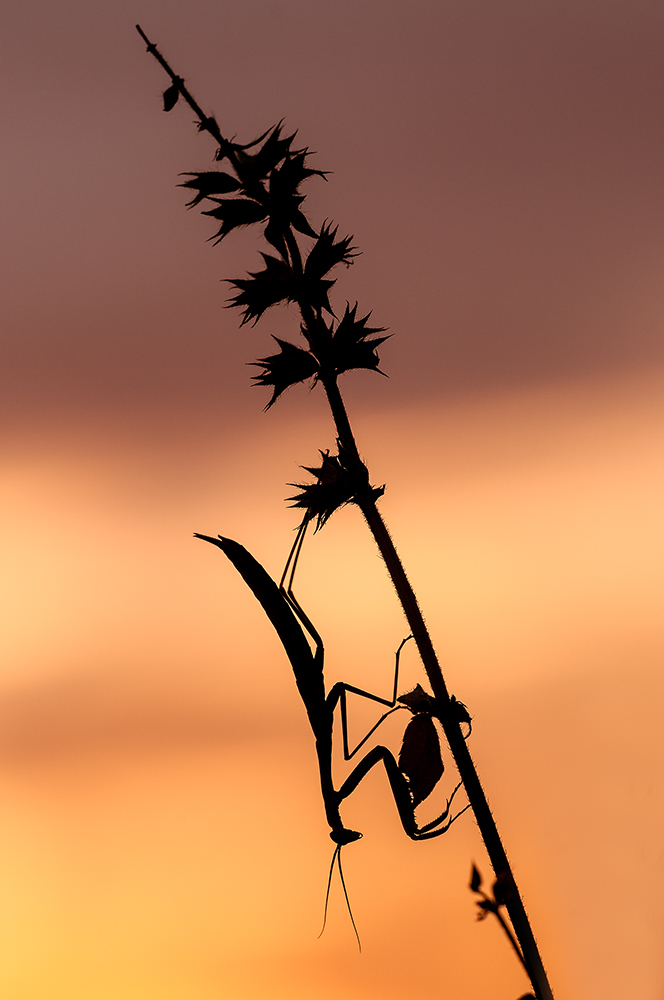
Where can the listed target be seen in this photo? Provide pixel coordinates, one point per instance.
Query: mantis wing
(420, 758)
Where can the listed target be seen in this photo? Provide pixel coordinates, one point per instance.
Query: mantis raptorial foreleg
(419, 767)
(402, 793)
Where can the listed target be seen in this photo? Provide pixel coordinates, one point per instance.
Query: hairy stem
(511, 939)
(451, 725)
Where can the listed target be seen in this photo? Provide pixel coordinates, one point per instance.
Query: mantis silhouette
(419, 768)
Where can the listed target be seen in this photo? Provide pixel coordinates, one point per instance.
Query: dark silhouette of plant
(264, 189)
(495, 903)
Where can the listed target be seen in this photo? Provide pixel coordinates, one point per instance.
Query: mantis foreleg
(402, 795)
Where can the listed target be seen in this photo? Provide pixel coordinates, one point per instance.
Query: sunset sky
(501, 166)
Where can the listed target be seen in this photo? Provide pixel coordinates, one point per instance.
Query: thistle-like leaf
(207, 183)
(171, 94)
(336, 484)
(316, 293)
(292, 365)
(253, 167)
(327, 252)
(300, 222)
(285, 213)
(334, 487)
(286, 179)
(235, 212)
(350, 346)
(284, 200)
(262, 289)
(277, 283)
(420, 759)
(254, 142)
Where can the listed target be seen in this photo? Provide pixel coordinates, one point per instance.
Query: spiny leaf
(292, 365)
(207, 183)
(475, 880)
(171, 94)
(275, 283)
(420, 758)
(333, 487)
(300, 222)
(316, 294)
(284, 214)
(350, 346)
(327, 252)
(231, 149)
(284, 200)
(336, 484)
(234, 212)
(256, 166)
(286, 179)
(254, 142)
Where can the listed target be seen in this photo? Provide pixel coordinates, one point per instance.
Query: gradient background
(502, 167)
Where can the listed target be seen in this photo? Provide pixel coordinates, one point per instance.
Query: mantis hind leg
(402, 795)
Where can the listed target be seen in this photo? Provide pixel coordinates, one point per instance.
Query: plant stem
(511, 939)
(316, 334)
(451, 724)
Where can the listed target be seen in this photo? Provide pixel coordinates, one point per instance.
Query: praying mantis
(419, 768)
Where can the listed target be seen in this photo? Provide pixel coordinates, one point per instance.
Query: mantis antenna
(337, 857)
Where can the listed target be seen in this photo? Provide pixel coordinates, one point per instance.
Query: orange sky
(501, 166)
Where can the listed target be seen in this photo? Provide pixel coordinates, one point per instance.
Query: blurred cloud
(155, 759)
(500, 168)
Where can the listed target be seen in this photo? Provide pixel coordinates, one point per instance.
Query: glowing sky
(501, 166)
